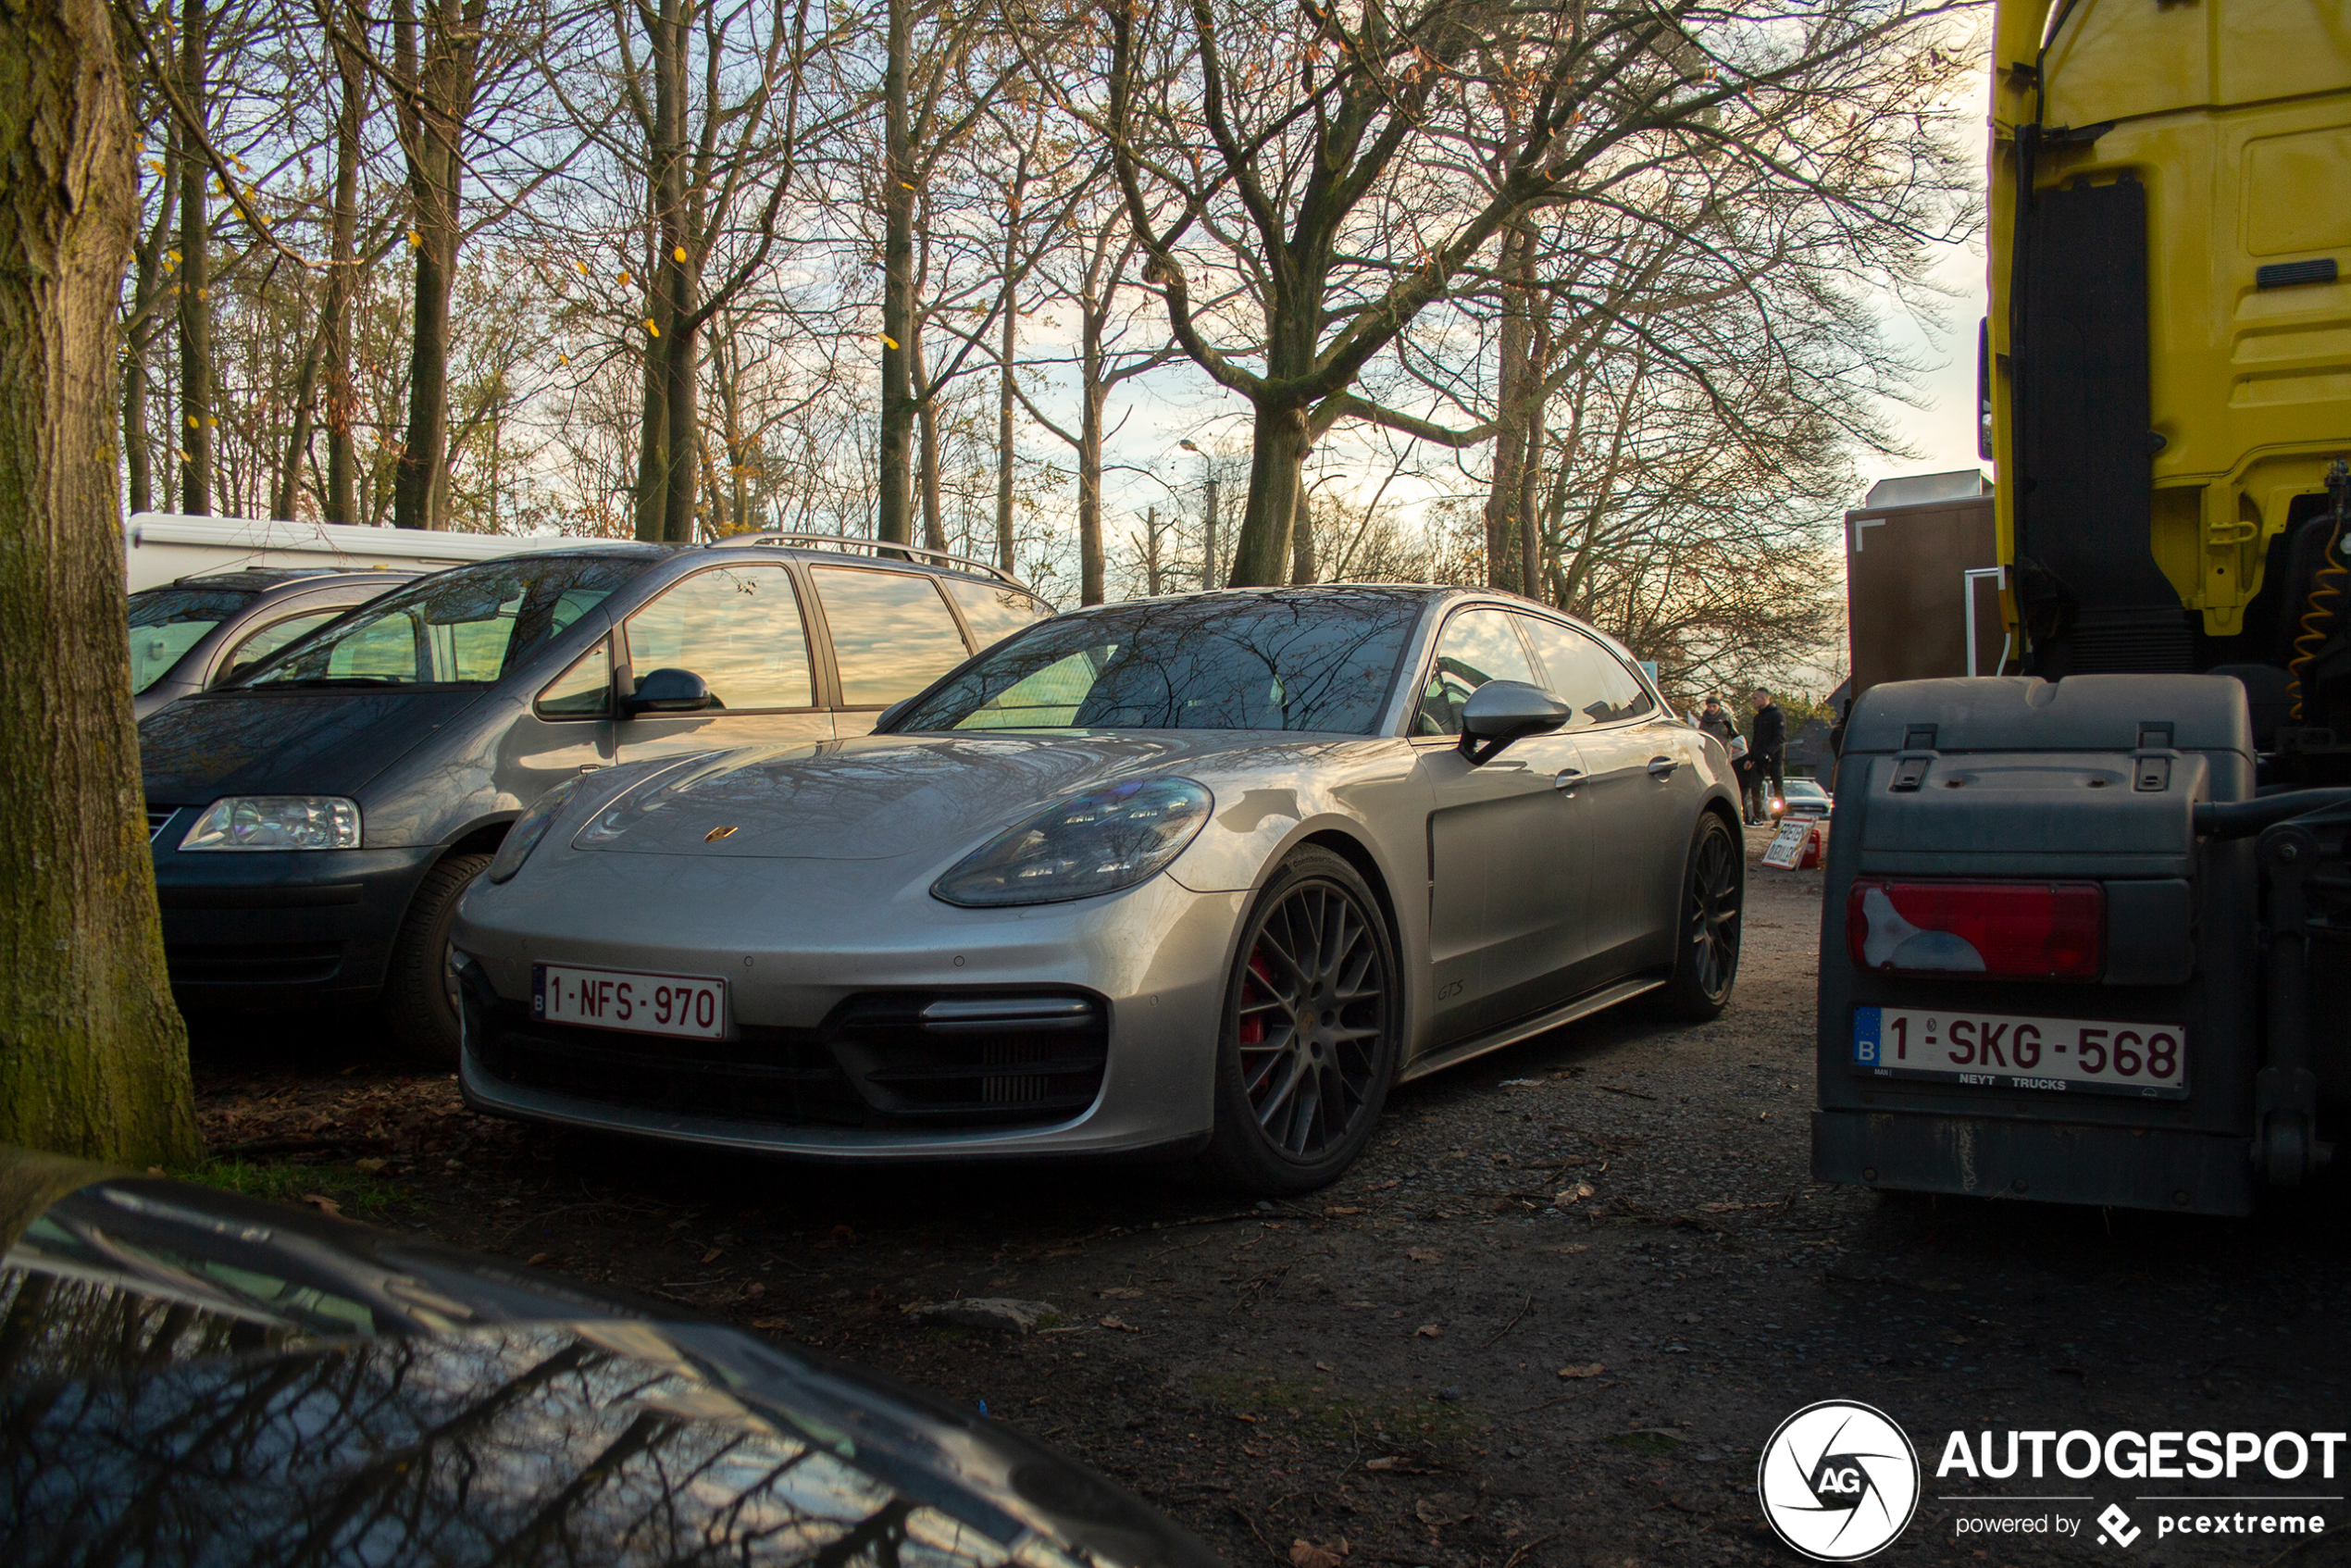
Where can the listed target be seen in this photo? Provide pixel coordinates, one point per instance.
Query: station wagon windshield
(1323, 661)
(462, 627)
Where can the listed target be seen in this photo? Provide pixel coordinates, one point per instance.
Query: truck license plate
(689, 1006)
(2001, 1051)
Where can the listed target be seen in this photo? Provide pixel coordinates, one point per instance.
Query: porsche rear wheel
(1313, 1026)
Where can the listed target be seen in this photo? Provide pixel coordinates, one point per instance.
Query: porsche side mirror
(1503, 711)
(669, 692)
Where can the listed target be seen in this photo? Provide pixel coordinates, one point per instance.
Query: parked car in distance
(315, 820)
(1802, 797)
(1179, 875)
(194, 1377)
(189, 635)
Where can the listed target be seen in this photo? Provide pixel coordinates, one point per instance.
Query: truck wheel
(1313, 1022)
(421, 986)
(1706, 955)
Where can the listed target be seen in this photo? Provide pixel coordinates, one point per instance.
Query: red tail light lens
(2021, 930)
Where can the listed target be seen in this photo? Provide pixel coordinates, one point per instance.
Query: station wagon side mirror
(1503, 711)
(669, 692)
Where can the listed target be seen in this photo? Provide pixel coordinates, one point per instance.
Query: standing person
(1715, 719)
(1765, 742)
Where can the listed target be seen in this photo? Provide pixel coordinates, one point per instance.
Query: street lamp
(1207, 529)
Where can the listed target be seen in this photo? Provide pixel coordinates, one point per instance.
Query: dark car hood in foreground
(191, 1377)
(295, 743)
(880, 796)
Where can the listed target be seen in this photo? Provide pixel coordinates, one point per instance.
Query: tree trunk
(282, 494)
(1090, 492)
(896, 520)
(1005, 418)
(1262, 553)
(443, 80)
(196, 286)
(342, 286)
(94, 1060)
(1505, 554)
(1301, 560)
(926, 429)
(138, 439)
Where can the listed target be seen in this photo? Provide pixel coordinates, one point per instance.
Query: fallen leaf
(1112, 1320)
(537, 1258)
(767, 1323)
(1428, 1331)
(755, 1288)
(1581, 1191)
(371, 1164)
(1306, 1554)
(1121, 1292)
(1343, 1209)
(1391, 1462)
(1443, 1508)
(714, 1254)
(155, 1170)
(1422, 1255)
(1590, 1369)
(1250, 1419)
(323, 1203)
(1324, 1366)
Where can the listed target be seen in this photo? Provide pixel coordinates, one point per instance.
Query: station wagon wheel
(1706, 960)
(1310, 1031)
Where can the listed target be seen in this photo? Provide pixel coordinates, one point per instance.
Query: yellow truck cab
(2079, 914)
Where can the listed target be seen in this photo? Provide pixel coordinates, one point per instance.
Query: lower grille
(255, 964)
(783, 1077)
(881, 1060)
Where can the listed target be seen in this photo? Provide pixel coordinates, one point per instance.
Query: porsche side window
(738, 628)
(582, 692)
(1478, 646)
(1585, 676)
(1048, 699)
(892, 633)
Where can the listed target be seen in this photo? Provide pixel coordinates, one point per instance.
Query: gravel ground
(1550, 1319)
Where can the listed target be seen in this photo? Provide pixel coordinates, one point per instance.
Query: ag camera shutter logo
(1838, 1481)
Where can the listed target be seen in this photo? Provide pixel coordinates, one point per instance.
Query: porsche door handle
(1662, 767)
(1567, 778)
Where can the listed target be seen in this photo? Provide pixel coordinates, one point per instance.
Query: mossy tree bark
(94, 1060)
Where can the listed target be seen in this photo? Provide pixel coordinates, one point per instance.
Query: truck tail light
(2020, 930)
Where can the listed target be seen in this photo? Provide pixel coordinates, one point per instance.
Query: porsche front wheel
(1313, 1024)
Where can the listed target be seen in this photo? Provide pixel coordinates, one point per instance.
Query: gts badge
(1450, 989)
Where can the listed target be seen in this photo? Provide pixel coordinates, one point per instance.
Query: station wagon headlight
(529, 828)
(1097, 842)
(276, 822)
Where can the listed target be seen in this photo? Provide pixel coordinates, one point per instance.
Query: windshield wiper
(328, 681)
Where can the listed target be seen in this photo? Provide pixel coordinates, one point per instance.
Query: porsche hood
(882, 796)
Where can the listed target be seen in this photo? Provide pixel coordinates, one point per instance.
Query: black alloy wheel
(1310, 1033)
(1706, 960)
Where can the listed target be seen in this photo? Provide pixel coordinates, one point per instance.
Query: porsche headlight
(276, 822)
(1097, 842)
(529, 828)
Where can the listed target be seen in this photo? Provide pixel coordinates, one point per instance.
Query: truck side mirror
(1503, 711)
(669, 692)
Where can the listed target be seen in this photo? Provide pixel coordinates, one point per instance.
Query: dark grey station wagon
(316, 819)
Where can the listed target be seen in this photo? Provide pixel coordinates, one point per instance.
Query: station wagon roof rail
(873, 547)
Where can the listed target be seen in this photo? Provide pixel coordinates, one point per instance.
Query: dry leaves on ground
(1590, 1369)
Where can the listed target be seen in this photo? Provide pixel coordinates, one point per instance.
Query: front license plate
(2000, 1051)
(691, 1006)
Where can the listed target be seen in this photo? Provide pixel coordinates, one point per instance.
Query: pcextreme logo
(1838, 1481)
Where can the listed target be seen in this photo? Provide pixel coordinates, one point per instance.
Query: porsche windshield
(460, 628)
(1319, 660)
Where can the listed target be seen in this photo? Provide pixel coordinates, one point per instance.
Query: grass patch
(362, 1196)
(1643, 1442)
(1403, 1414)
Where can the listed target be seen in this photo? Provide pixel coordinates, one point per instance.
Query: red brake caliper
(1252, 1029)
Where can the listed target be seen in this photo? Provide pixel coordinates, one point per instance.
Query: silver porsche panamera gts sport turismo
(1199, 876)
